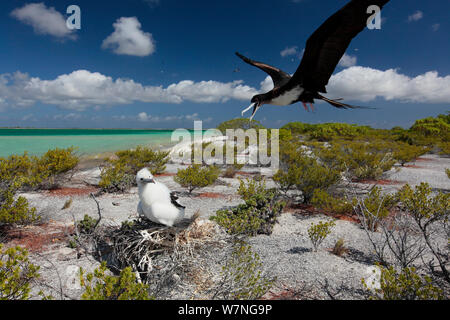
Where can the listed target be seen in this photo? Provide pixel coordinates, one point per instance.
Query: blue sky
(165, 63)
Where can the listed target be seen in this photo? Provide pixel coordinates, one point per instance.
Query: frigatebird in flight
(324, 49)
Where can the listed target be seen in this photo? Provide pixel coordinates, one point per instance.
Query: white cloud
(129, 39)
(416, 16)
(46, 21)
(82, 89)
(144, 117)
(436, 27)
(348, 61)
(289, 51)
(366, 84)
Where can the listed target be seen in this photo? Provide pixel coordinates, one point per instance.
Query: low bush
(116, 178)
(38, 172)
(405, 152)
(304, 173)
(242, 276)
(119, 174)
(196, 176)
(16, 274)
(324, 201)
(319, 232)
(259, 213)
(100, 286)
(404, 285)
(375, 207)
(339, 248)
(447, 171)
(428, 211)
(87, 225)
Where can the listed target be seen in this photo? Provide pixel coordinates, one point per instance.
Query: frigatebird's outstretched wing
(326, 46)
(279, 77)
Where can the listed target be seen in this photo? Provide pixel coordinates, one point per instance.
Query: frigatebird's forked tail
(335, 103)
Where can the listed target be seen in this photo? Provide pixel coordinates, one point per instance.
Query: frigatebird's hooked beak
(255, 107)
(251, 106)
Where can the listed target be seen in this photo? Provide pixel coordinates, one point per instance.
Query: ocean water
(87, 141)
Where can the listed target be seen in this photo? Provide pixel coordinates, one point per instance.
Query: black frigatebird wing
(279, 77)
(326, 46)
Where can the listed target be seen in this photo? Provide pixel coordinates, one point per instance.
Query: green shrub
(16, 211)
(196, 176)
(58, 161)
(339, 248)
(319, 232)
(405, 152)
(427, 211)
(99, 286)
(119, 174)
(437, 127)
(143, 157)
(16, 274)
(116, 178)
(404, 285)
(239, 123)
(323, 200)
(242, 275)
(259, 213)
(447, 171)
(375, 207)
(87, 225)
(37, 172)
(304, 173)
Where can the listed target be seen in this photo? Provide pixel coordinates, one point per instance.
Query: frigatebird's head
(257, 102)
(144, 176)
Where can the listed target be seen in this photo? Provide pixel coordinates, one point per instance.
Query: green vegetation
(404, 285)
(319, 232)
(196, 176)
(242, 275)
(324, 201)
(375, 207)
(240, 123)
(19, 172)
(427, 211)
(339, 248)
(100, 286)
(259, 213)
(302, 172)
(119, 174)
(447, 171)
(87, 225)
(16, 274)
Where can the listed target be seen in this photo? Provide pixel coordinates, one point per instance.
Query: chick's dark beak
(148, 181)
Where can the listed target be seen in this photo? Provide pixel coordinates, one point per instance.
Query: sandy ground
(285, 254)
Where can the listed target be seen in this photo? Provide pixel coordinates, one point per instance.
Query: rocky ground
(286, 254)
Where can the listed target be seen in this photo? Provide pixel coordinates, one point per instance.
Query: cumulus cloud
(348, 61)
(129, 39)
(144, 117)
(366, 84)
(46, 21)
(415, 16)
(81, 89)
(289, 51)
